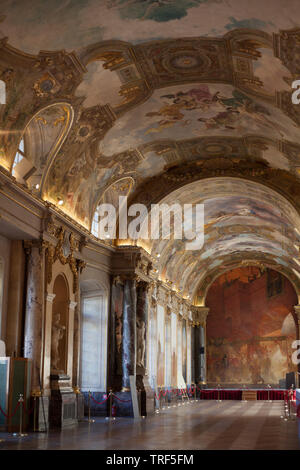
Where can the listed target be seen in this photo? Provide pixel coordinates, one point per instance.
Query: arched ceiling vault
(242, 220)
(186, 100)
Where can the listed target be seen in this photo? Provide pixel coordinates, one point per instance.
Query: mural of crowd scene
(250, 327)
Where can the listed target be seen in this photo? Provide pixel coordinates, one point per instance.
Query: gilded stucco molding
(64, 252)
(199, 315)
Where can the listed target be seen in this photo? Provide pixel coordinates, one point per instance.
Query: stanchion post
(244, 388)
(269, 386)
(34, 413)
(89, 411)
(219, 393)
(110, 403)
(21, 401)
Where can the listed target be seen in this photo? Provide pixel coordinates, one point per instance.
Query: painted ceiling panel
(197, 111)
(71, 24)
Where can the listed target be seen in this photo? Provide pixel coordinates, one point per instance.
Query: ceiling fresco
(239, 217)
(197, 111)
(161, 100)
(71, 24)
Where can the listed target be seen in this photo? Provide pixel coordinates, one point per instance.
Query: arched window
(19, 156)
(95, 225)
(2, 92)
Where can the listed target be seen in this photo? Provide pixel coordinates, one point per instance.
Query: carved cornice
(133, 262)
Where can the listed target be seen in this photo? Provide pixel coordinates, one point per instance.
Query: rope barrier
(100, 402)
(123, 401)
(13, 414)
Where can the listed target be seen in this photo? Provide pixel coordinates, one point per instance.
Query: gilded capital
(199, 315)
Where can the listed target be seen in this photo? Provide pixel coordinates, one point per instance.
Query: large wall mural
(250, 327)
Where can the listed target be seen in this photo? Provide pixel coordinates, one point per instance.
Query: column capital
(117, 280)
(30, 244)
(153, 301)
(50, 297)
(297, 311)
(199, 315)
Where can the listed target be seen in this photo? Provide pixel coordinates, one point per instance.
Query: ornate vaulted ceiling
(162, 100)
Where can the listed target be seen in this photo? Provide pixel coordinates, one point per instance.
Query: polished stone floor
(200, 425)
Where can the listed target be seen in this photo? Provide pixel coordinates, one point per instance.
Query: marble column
(34, 311)
(129, 333)
(76, 356)
(15, 310)
(115, 328)
(47, 344)
(203, 353)
(197, 353)
(70, 340)
(193, 359)
(76, 344)
(141, 326)
(152, 345)
(200, 316)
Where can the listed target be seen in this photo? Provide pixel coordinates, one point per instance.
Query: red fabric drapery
(237, 394)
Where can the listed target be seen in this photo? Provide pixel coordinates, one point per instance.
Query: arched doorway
(60, 320)
(250, 327)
